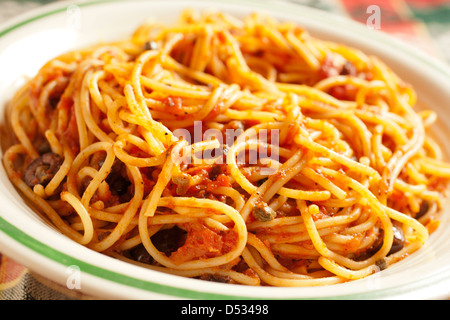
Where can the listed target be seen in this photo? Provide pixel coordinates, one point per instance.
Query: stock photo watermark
(212, 145)
(374, 19)
(74, 18)
(73, 281)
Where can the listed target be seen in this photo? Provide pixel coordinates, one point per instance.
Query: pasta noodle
(242, 151)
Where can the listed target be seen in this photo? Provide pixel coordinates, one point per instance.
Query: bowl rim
(12, 236)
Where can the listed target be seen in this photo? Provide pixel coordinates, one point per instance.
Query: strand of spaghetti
(103, 172)
(234, 169)
(193, 212)
(136, 141)
(262, 116)
(417, 140)
(265, 252)
(170, 63)
(312, 93)
(85, 100)
(413, 173)
(172, 159)
(324, 127)
(135, 80)
(351, 199)
(359, 126)
(305, 275)
(235, 50)
(285, 224)
(110, 88)
(279, 221)
(365, 92)
(277, 203)
(303, 50)
(217, 94)
(41, 118)
(369, 224)
(106, 216)
(274, 35)
(236, 276)
(338, 270)
(324, 182)
(238, 65)
(410, 248)
(417, 190)
(434, 167)
(17, 126)
(338, 241)
(55, 145)
(77, 82)
(391, 127)
(155, 143)
(120, 153)
(244, 76)
(78, 162)
(94, 90)
(173, 91)
(203, 145)
(239, 228)
(371, 200)
(433, 148)
(413, 223)
(52, 186)
(85, 172)
(168, 219)
(159, 132)
(288, 237)
(171, 42)
(321, 246)
(253, 132)
(351, 164)
(222, 96)
(412, 148)
(332, 81)
(215, 224)
(283, 282)
(267, 70)
(128, 215)
(318, 195)
(258, 192)
(295, 250)
(377, 159)
(294, 164)
(114, 121)
(349, 215)
(351, 54)
(233, 194)
(201, 53)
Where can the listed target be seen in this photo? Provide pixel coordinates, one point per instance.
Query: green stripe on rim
(99, 272)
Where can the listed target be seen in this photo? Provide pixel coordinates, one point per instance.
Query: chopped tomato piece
(203, 243)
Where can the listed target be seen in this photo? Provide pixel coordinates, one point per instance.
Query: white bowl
(27, 42)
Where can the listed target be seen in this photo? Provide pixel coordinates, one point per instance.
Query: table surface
(424, 23)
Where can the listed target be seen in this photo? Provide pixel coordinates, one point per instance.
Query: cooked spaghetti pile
(330, 175)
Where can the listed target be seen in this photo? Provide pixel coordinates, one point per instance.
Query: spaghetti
(308, 165)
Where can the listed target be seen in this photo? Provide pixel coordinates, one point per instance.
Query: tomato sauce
(203, 243)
